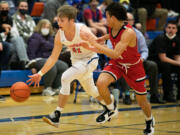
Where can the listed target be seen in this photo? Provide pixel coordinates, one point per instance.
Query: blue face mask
(126, 6)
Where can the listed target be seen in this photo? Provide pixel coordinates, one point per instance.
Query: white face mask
(45, 31)
(170, 37)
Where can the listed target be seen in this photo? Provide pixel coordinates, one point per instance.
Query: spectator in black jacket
(165, 50)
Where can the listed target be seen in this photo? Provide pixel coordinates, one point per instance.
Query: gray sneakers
(48, 92)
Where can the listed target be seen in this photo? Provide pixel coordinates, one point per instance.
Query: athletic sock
(59, 109)
(111, 106)
(149, 118)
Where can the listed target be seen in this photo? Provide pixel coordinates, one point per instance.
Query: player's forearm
(104, 50)
(48, 65)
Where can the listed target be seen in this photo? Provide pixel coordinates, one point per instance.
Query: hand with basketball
(36, 78)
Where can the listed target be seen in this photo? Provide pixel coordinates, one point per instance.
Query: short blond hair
(41, 23)
(67, 11)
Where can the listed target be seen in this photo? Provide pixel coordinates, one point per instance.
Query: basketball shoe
(53, 119)
(107, 114)
(149, 130)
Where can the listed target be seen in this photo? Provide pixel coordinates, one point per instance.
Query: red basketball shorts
(134, 75)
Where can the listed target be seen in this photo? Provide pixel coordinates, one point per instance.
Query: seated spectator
(165, 51)
(23, 22)
(8, 35)
(94, 19)
(145, 9)
(40, 46)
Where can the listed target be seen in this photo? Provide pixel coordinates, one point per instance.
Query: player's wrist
(40, 73)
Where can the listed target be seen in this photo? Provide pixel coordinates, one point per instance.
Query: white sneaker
(48, 92)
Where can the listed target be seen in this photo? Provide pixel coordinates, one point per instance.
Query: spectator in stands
(165, 51)
(145, 9)
(94, 19)
(12, 7)
(51, 7)
(22, 21)
(40, 45)
(8, 35)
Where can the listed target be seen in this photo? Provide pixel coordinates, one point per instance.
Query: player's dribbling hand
(34, 79)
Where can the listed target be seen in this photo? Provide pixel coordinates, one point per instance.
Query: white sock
(111, 106)
(149, 118)
(59, 109)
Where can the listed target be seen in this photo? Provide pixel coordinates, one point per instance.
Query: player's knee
(65, 80)
(101, 83)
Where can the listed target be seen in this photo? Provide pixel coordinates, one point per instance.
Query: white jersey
(77, 53)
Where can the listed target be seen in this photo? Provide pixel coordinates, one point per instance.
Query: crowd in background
(26, 41)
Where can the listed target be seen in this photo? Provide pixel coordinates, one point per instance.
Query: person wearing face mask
(40, 46)
(165, 51)
(23, 22)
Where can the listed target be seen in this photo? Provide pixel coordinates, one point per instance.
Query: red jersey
(130, 55)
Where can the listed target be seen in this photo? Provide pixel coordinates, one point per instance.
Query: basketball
(19, 91)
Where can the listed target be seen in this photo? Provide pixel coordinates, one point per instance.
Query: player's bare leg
(110, 106)
(146, 108)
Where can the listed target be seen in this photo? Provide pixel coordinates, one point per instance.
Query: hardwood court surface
(79, 119)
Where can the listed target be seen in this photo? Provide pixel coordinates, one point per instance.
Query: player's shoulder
(129, 31)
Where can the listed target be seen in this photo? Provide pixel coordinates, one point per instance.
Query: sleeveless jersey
(130, 55)
(77, 53)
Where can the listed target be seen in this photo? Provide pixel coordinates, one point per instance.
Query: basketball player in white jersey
(84, 62)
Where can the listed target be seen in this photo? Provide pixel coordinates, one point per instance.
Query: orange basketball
(20, 91)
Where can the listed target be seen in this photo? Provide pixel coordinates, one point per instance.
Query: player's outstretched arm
(49, 63)
(128, 38)
(85, 34)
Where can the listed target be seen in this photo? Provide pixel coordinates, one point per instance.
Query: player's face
(63, 23)
(171, 29)
(109, 19)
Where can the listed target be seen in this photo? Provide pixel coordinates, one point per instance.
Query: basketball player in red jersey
(125, 61)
